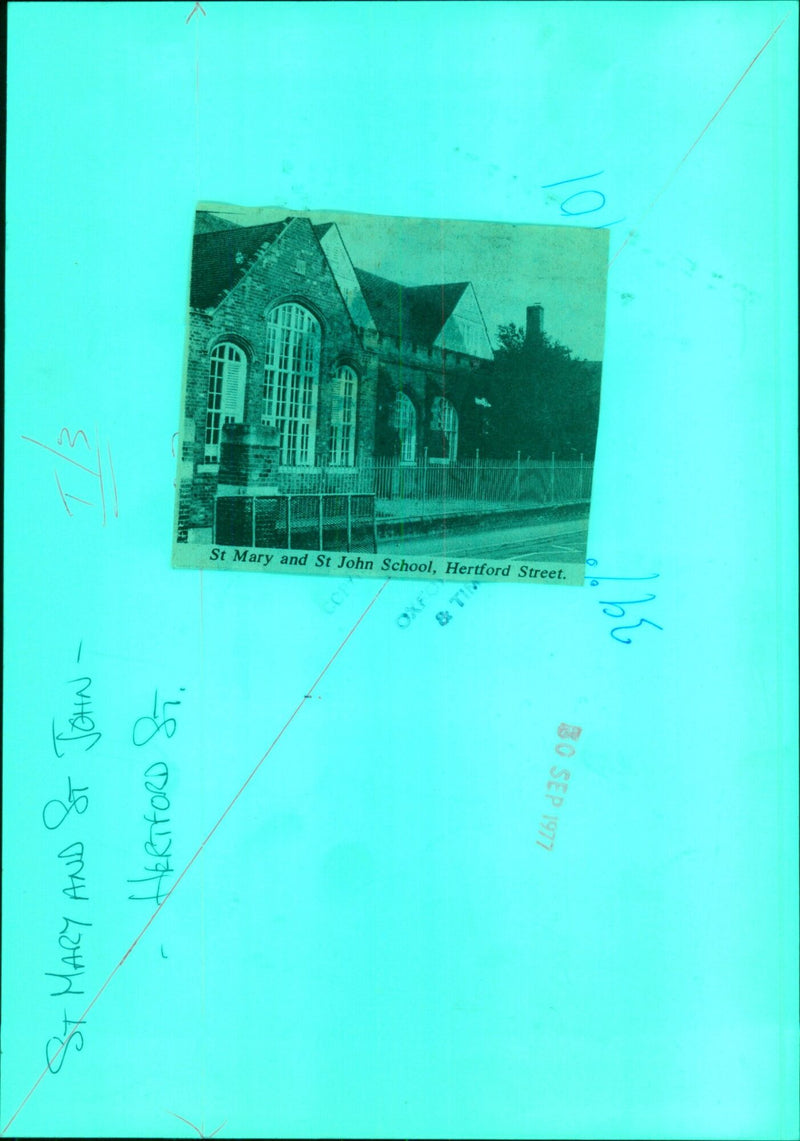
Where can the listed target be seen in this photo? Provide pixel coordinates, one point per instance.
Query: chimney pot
(533, 329)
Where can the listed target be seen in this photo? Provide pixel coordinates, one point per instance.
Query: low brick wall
(472, 522)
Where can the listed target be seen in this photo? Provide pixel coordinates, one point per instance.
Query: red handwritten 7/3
(72, 448)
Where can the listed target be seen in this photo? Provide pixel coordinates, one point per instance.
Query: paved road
(562, 540)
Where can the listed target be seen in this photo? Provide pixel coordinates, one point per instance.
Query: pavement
(395, 510)
(416, 517)
(553, 540)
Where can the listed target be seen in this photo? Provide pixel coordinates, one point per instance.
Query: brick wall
(417, 374)
(271, 279)
(249, 455)
(294, 268)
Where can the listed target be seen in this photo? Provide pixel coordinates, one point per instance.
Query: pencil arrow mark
(198, 7)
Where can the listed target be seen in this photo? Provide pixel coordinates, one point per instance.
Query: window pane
(290, 380)
(444, 419)
(226, 387)
(343, 417)
(405, 424)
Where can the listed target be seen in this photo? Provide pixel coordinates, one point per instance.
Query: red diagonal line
(763, 47)
(286, 725)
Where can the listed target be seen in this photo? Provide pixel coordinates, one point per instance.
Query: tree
(543, 399)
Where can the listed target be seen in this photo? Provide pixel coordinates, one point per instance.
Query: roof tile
(220, 260)
(415, 313)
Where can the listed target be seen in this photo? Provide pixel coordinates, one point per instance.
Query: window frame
(448, 426)
(344, 418)
(403, 401)
(224, 353)
(292, 359)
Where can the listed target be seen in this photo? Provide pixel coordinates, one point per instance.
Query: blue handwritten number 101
(620, 605)
(592, 206)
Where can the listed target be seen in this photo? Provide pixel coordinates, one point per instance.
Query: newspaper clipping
(381, 396)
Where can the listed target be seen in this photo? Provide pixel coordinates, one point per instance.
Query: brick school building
(300, 362)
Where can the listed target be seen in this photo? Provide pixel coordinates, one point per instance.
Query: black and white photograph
(390, 396)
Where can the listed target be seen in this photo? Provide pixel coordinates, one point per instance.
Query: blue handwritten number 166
(620, 605)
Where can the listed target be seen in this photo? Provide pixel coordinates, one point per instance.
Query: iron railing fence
(327, 522)
(472, 480)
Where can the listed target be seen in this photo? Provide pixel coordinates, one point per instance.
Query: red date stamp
(558, 787)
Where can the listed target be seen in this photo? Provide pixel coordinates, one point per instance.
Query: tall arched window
(225, 394)
(405, 424)
(343, 417)
(291, 380)
(444, 420)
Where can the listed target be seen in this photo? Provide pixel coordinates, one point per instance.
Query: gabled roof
(221, 258)
(416, 313)
(223, 255)
(465, 329)
(206, 220)
(338, 259)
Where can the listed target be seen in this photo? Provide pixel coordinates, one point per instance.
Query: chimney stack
(533, 329)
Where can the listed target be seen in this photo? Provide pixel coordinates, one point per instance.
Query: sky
(562, 268)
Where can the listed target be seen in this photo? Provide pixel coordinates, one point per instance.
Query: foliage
(387, 438)
(543, 400)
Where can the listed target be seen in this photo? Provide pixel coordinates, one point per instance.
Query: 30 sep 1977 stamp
(378, 396)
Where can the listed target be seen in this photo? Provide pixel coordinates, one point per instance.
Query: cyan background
(372, 944)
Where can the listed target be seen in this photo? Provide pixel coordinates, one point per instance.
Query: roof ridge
(241, 229)
(428, 285)
(440, 285)
(218, 270)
